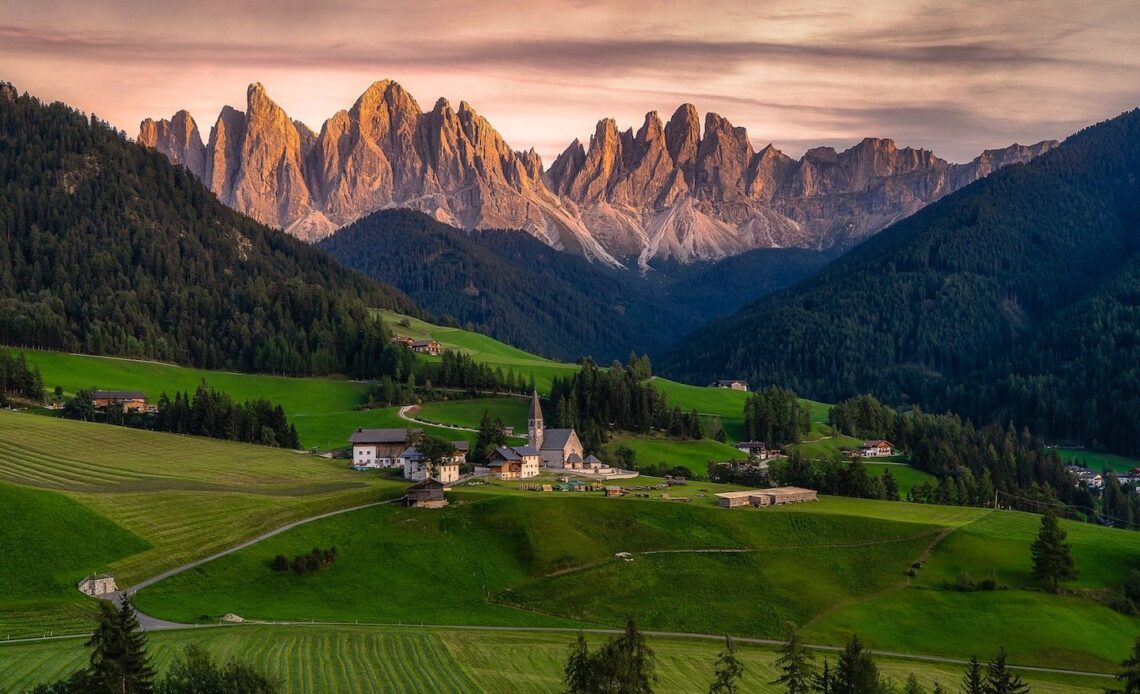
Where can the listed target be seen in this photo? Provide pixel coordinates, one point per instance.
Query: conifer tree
(1052, 556)
(823, 680)
(973, 681)
(119, 662)
(729, 670)
(1000, 680)
(1129, 675)
(856, 672)
(578, 674)
(795, 664)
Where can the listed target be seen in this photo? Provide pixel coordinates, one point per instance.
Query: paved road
(408, 418)
(152, 623)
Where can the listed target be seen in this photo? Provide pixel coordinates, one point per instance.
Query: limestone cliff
(668, 190)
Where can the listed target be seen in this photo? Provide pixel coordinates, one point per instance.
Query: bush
(988, 584)
(966, 584)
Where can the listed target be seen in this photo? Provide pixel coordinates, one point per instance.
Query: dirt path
(922, 557)
(422, 422)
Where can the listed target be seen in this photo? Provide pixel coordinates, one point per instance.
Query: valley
(390, 405)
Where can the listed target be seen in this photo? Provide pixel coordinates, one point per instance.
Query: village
(557, 452)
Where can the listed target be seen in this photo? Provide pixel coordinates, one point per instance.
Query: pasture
(530, 559)
(152, 501)
(306, 658)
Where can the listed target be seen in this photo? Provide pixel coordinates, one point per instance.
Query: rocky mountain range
(669, 190)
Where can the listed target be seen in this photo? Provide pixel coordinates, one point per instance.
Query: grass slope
(837, 566)
(51, 542)
(694, 455)
(1097, 461)
(379, 659)
(468, 413)
(180, 497)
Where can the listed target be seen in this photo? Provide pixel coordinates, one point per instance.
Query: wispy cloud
(954, 78)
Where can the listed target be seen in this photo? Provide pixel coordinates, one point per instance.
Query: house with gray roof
(380, 447)
(514, 462)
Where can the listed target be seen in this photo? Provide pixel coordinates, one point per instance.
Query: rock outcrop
(665, 191)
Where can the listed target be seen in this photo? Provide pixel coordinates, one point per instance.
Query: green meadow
(151, 501)
(1097, 461)
(529, 559)
(694, 455)
(514, 412)
(307, 658)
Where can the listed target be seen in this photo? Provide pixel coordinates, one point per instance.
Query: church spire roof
(535, 407)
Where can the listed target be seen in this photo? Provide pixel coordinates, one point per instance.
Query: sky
(953, 77)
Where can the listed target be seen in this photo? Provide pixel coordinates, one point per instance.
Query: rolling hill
(111, 249)
(1013, 299)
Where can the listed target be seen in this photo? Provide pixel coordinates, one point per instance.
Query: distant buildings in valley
(731, 384)
(127, 400)
(427, 346)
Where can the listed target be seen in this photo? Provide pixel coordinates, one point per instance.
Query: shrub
(966, 584)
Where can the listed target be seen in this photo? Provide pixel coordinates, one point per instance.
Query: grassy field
(523, 558)
(482, 348)
(152, 501)
(323, 409)
(384, 659)
(694, 455)
(905, 475)
(468, 413)
(1097, 461)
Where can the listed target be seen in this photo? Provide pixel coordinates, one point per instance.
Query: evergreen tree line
(835, 477)
(19, 379)
(971, 464)
(119, 664)
(596, 401)
(626, 664)
(108, 248)
(208, 412)
(775, 416)
(459, 370)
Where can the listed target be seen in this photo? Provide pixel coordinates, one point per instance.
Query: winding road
(149, 623)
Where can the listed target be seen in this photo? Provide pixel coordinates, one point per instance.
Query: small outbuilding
(426, 494)
(766, 497)
(97, 585)
(613, 491)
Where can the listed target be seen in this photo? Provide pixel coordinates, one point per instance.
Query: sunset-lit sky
(955, 77)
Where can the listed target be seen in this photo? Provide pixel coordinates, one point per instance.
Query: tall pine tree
(1052, 556)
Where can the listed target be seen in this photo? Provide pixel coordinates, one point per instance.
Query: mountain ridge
(670, 190)
(1012, 300)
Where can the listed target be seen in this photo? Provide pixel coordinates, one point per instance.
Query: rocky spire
(660, 191)
(177, 138)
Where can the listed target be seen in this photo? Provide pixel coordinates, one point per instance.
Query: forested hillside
(110, 249)
(1015, 298)
(516, 288)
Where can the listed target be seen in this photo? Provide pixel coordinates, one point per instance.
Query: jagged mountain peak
(681, 188)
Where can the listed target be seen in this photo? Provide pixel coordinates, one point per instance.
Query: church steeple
(534, 423)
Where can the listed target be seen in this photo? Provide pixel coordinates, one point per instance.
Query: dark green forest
(1014, 299)
(110, 249)
(512, 286)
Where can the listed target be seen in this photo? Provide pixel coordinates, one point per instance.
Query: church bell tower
(534, 424)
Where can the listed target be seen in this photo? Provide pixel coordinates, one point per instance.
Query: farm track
(923, 556)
